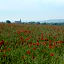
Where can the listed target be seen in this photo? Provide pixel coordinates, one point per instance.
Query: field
(31, 44)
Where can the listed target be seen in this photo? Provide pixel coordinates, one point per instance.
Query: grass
(31, 44)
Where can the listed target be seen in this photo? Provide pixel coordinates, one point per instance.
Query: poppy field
(31, 44)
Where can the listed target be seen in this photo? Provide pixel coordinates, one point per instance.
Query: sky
(31, 9)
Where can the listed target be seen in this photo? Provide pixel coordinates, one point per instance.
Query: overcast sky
(31, 9)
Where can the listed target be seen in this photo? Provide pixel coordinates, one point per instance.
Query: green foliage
(8, 21)
(23, 44)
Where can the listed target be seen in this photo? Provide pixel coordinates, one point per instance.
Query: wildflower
(37, 44)
(54, 44)
(42, 34)
(37, 40)
(62, 41)
(25, 31)
(51, 47)
(51, 54)
(34, 43)
(4, 55)
(2, 42)
(18, 32)
(54, 37)
(21, 38)
(44, 43)
(49, 41)
(46, 39)
(34, 48)
(28, 52)
(27, 39)
(9, 49)
(59, 42)
(42, 39)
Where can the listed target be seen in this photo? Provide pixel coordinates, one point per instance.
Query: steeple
(20, 20)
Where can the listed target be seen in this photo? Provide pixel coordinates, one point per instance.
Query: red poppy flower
(34, 48)
(59, 42)
(51, 47)
(34, 43)
(54, 44)
(2, 42)
(4, 55)
(21, 38)
(28, 52)
(49, 41)
(37, 40)
(46, 39)
(27, 39)
(42, 39)
(44, 43)
(37, 44)
(9, 49)
(51, 54)
(42, 34)
(54, 37)
(18, 32)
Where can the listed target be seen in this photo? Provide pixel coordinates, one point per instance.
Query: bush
(8, 21)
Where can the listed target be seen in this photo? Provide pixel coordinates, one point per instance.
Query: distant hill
(55, 21)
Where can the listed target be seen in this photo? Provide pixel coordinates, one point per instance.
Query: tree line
(33, 22)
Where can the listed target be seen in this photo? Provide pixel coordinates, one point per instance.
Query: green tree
(8, 21)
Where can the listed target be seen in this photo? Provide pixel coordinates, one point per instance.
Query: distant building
(18, 21)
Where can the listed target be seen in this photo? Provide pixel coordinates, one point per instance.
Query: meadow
(31, 44)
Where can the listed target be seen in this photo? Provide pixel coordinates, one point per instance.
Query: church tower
(20, 20)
